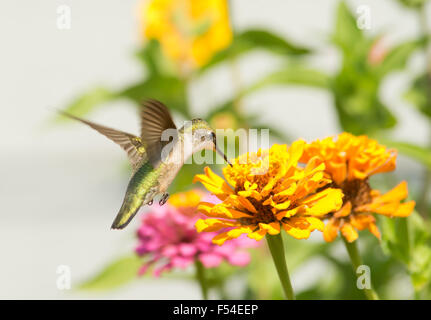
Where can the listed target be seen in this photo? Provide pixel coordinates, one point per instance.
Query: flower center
(356, 191)
(264, 214)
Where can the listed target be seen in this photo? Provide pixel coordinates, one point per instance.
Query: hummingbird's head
(204, 137)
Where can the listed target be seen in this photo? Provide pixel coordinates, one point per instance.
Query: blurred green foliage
(356, 85)
(405, 248)
(419, 94)
(414, 4)
(115, 274)
(418, 153)
(409, 241)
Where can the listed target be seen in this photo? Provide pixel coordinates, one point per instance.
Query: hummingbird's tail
(120, 223)
(128, 210)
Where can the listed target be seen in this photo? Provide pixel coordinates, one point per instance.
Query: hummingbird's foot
(150, 202)
(164, 199)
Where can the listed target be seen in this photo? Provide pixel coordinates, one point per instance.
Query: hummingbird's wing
(155, 119)
(133, 145)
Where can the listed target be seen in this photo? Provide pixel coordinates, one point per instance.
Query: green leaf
(359, 108)
(89, 101)
(253, 39)
(292, 75)
(116, 274)
(413, 4)
(418, 153)
(149, 56)
(419, 94)
(420, 267)
(288, 75)
(422, 229)
(169, 90)
(420, 261)
(395, 238)
(347, 35)
(154, 61)
(397, 58)
(356, 86)
(256, 38)
(409, 240)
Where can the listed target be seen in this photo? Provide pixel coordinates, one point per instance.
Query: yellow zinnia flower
(350, 160)
(189, 31)
(186, 199)
(186, 202)
(266, 191)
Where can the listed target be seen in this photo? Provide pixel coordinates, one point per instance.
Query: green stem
(200, 276)
(275, 244)
(236, 80)
(356, 260)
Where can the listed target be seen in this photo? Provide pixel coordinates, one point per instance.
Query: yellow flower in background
(350, 160)
(266, 191)
(186, 199)
(186, 202)
(189, 31)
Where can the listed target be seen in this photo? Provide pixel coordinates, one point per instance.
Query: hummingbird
(155, 158)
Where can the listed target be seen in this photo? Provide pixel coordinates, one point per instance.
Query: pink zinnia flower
(168, 239)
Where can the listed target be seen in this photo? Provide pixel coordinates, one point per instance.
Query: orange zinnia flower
(350, 161)
(267, 191)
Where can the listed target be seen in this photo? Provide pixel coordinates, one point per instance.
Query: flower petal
(405, 209)
(330, 231)
(289, 213)
(214, 184)
(250, 193)
(220, 211)
(324, 202)
(279, 206)
(187, 249)
(181, 262)
(231, 234)
(210, 225)
(338, 171)
(348, 232)
(372, 227)
(240, 202)
(272, 228)
(344, 211)
(258, 234)
(239, 258)
(315, 223)
(298, 227)
(210, 260)
(398, 193)
(295, 152)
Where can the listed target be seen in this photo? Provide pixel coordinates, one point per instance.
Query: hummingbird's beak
(222, 154)
(216, 149)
